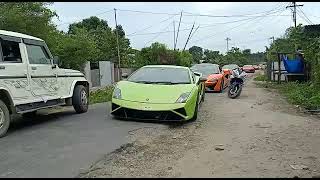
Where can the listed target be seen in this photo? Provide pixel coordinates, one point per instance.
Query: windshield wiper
(144, 82)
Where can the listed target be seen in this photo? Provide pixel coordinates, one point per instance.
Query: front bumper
(149, 111)
(211, 86)
(249, 70)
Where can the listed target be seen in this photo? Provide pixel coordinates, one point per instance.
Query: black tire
(80, 101)
(29, 115)
(203, 94)
(221, 87)
(4, 119)
(195, 115)
(237, 95)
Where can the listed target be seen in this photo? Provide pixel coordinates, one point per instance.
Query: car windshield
(206, 69)
(230, 66)
(161, 75)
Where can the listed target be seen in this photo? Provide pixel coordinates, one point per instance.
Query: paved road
(61, 144)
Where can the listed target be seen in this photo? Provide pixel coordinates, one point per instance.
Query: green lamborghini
(159, 92)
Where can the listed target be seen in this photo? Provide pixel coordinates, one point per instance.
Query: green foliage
(305, 38)
(197, 53)
(105, 39)
(306, 95)
(76, 49)
(158, 53)
(261, 77)
(101, 95)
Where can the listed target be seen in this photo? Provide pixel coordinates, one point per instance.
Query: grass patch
(306, 95)
(261, 77)
(101, 95)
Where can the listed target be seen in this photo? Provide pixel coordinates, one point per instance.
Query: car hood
(152, 93)
(69, 72)
(214, 76)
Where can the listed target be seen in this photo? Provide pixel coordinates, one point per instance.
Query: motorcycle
(237, 79)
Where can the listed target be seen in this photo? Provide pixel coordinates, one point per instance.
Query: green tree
(32, 18)
(197, 53)
(106, 39)
(76, 49)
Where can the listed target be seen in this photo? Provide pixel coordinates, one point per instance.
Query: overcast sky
(250, 26)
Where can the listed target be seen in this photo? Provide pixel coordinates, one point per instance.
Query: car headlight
(183, 97)
(117, 93)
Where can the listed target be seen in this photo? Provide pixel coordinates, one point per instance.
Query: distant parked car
(230, 67)
(256, 67)
(248, 69)
(217, 79)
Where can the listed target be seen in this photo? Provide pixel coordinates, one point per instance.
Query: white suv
(30, 79)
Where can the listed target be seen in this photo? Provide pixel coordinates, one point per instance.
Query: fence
(104, 73)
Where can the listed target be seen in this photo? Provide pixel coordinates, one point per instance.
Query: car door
(43, 74)
(13, 70)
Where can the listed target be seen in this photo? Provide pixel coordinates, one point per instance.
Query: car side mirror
(203, 79)
(197, 74)
(124, 75)
(56, 61)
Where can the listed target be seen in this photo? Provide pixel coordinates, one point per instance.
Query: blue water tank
(292, 65)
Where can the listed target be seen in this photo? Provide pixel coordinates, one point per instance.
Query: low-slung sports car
(248, 69)
(216, 80)
(159, 92)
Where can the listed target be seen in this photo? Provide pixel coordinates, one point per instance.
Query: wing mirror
(56, 60)
(203, 79)
(124, 75)
(197, 74)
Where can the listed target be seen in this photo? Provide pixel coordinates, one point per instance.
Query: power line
(188, 37)
(309, 21)
(152, 25)
(84, 18)
(193, 14)
(187, 29)
(175, 44)
(157, 35)
(302, 17)
(294, 13)
(250, 19)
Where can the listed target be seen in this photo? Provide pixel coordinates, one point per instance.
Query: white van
(30, 79)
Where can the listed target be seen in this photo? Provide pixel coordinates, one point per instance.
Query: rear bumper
(148, 111)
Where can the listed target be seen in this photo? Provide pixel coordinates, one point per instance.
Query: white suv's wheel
(80, 100)
(4, 119)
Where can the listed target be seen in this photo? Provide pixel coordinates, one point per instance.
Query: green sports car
(159, 92)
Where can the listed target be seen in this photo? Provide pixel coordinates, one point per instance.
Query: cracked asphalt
(62, 143)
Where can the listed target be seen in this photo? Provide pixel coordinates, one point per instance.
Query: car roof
(167, 66)
(20, 35)
(205, 64)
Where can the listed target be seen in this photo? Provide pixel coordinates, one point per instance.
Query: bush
(261, 77)
(101, 95)
(305, 94)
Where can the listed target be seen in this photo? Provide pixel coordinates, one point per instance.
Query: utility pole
(272, 39)
(188, 37)
(115, 18)
(174, 35)
(294, 12)
(228, 39)
(175, 45)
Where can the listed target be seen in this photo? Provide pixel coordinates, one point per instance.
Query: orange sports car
(217, 80)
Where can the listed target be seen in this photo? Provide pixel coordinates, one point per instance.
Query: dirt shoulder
(256, 135)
